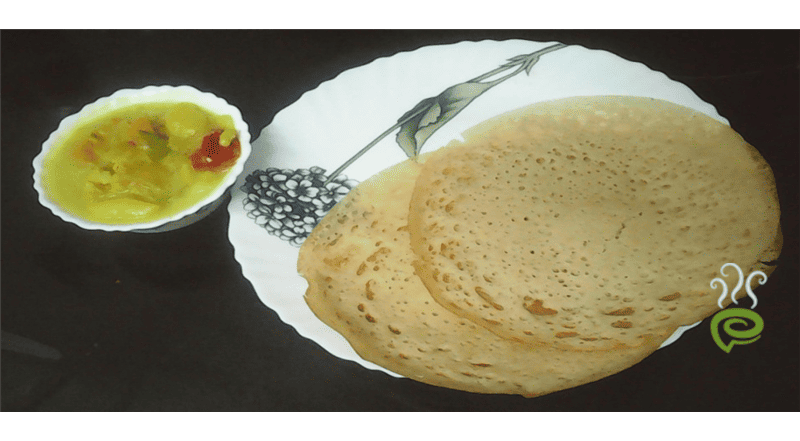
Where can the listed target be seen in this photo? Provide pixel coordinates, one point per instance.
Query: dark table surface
(168, 322)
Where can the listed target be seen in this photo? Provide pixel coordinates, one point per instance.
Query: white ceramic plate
(329, 124)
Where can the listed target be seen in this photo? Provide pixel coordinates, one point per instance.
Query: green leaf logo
(736, 316)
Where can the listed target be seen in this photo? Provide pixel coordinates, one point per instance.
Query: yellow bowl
(131, 97)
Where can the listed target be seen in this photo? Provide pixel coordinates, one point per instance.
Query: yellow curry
(141, 163)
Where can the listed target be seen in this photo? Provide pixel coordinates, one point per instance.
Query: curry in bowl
(140, 163)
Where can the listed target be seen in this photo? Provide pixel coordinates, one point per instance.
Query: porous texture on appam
(361, 283)
(592, 223)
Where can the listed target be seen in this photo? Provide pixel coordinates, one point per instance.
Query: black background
(168, 322)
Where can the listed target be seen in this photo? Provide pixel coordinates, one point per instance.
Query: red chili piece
(212, 156)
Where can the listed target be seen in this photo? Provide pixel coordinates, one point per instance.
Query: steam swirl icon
(727, 318)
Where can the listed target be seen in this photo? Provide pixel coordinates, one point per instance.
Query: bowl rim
(127, 97)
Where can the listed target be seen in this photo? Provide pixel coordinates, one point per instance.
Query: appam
(361, 283)
(591, 223)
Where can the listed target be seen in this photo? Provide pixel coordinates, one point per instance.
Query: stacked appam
(553, 246)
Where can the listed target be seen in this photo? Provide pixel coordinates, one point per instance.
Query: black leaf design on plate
(418, 124)
(289, 203)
